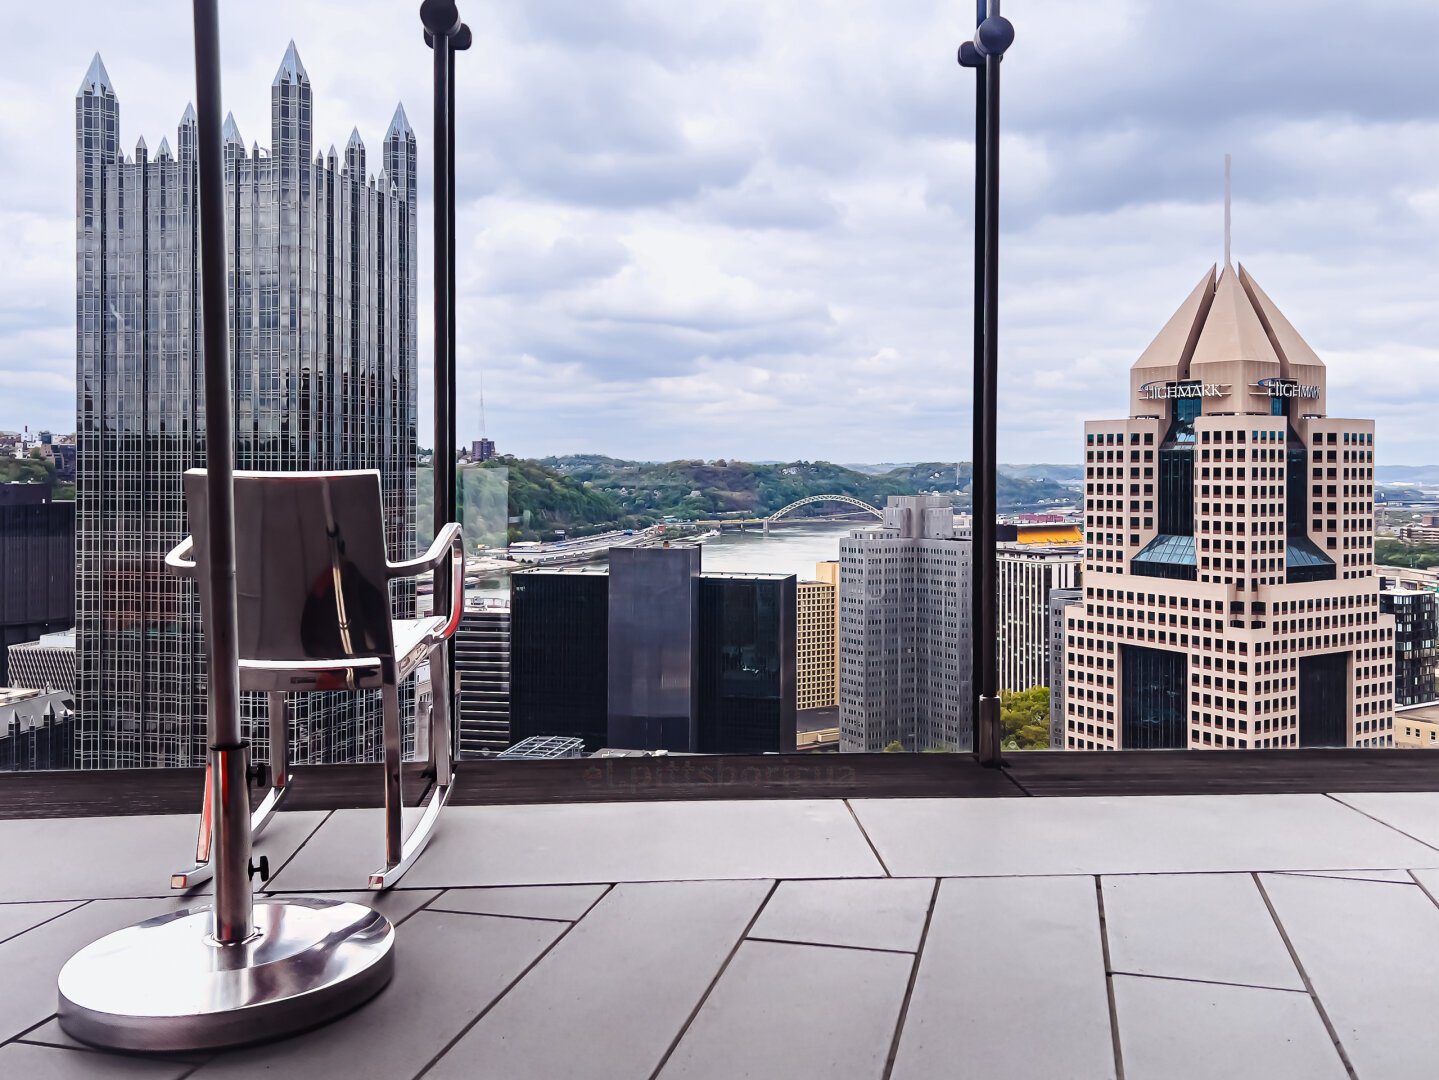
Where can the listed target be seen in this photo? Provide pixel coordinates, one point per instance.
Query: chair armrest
(176, 560)
(448, 538)
(450, 542)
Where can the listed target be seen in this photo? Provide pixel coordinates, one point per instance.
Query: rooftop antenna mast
(1226, 209)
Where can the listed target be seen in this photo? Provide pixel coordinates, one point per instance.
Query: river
(789, 549)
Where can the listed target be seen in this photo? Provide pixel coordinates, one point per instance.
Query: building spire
(1227, 188)
(231, 131)
(97, 79)
(400, 124)
(291, 70)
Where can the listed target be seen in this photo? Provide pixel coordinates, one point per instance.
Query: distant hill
(1069, 475)
(697, 488)
(1407, 474)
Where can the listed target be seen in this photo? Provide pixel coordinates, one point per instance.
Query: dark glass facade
(652, 640)
(37, 567)
(559, 656)
(1303, 561)
(1324, 700)
(1416, 628)
(1154, 709)
(38, 733)
(747, 664)
(1171, 553)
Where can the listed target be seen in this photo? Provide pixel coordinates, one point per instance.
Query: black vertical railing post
(459, 42)
(992, 37)
(233, 899)
(443, 32)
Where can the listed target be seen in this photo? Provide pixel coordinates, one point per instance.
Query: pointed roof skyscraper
(231, 131)
(400, 123)
(164, 151)
(291, 70)
(188, 116)
(97, 79)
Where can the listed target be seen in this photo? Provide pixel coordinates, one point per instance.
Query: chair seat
(414, 638)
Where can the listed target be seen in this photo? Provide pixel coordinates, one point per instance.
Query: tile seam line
(1380, 821)
(76, 906)
(397, 923)
(19, 1036)
(1108, 977)
(491, 914)
(504, 993)
(1424, 888)
(1335, 877)
(689, 1020)
(854, 816)
(1211, 982)
(903, 1016)
(1008, 774)
(1304, 976)
(829, 945)
(299, 848)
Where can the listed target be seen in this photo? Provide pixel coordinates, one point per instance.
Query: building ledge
(805, 776)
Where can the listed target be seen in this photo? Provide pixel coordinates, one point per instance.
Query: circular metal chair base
(165, 984)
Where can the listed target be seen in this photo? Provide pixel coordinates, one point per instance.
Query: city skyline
(656, 262)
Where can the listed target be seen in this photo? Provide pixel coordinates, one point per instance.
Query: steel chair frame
(422, 640)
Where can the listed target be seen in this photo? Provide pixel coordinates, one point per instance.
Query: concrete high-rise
(905, 630)
(322, 297)
(1026, 575)
(1060, 601)
(1230, 598)
(817, 616)
(482, 669)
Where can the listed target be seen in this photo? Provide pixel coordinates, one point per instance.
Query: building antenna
(484, 433)
(1226, 210)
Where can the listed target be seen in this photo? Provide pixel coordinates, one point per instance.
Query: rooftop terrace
(1287, 934)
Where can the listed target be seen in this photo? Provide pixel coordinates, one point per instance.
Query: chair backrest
(310, 565)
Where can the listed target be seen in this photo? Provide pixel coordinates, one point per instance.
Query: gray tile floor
(1272, 937)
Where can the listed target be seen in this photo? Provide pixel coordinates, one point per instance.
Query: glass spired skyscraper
(322, 281)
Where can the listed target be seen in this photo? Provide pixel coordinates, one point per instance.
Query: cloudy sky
(743, 228)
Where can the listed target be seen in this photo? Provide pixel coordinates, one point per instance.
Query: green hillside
(697, 488)
(36, 470)
(588, 493)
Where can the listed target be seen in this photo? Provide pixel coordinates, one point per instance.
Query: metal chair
(312, 578)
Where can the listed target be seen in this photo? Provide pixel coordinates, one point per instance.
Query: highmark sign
(1160, 391)
(1287, 388)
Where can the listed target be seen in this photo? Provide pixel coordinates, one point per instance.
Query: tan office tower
(1229, 595)
(817, 667)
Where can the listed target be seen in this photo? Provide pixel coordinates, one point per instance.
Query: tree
(1024, 718)
(895, 747)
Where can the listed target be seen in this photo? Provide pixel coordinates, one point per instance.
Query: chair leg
(279, 740)
(394, 797)
(202, 870)
(401, 855)
(442, 755)
(262, 815)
